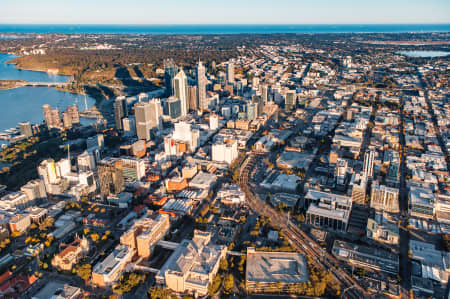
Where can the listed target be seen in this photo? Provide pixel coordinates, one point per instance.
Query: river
(25, 103)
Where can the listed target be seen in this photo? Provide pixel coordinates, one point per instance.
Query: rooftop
(285, 267)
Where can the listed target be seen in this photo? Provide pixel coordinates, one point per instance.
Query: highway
(298, 239)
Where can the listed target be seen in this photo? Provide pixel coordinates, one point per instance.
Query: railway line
(299, 239)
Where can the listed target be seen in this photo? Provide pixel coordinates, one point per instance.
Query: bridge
(235, 253)
(135, 266)
(43, 84)
(168, 244)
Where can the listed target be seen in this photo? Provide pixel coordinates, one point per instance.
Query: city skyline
(200, 12)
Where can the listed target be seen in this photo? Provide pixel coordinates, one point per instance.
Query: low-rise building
(19, 223)
(266, 270)
(109, 270)
(145, 232)
(382, 229)
(366, 257)
(70, 254)
(421, 202)
(384, 198)
(328, 210)
(193, 265)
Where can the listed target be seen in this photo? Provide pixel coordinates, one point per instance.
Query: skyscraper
(170, 70)
(180, 91)
(258, 99)
(173, 107)
(201, 86)
(252, 110)
(291, 100)
(265, 93)
(110, 177)
(129, 126)
(368, 164)
(192, 98)
(144, 120)
(155, 113)
(119, 112)
(230, 72)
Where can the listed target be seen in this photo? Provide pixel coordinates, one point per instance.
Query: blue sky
(224, 12)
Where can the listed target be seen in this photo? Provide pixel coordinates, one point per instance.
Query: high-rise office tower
(173, 106)
(180, 91)
(230, 72)
(265, 93)
(252, 111)
(110, 177)
(258, 99)
(86, 161)
(142, 112)
(120, 111)
(290, 100)
(170, 70)
(369, 157)
(25, 129)
(192, 98)
(201, 86)
(129, 126)
(222, 78)
(155, 113)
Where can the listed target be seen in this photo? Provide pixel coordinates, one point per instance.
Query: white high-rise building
(213, 122)
(180, 91)
(201, 87)
(47, 171)
(183, 132)
(369, 157)
(86, 161)
(224, 151)
(156, 112)
(63, 167)
(230, 72)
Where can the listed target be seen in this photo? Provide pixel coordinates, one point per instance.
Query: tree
(84, 271)
(228, 283)
(215, 285)
(223, 264)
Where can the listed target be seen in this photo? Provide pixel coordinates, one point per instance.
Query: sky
(143, 12)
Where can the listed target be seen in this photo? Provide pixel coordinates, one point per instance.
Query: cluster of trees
(4, 243)
(84, 271)
(160, 293)
(317, 286)
(23, 157)
(129, 282)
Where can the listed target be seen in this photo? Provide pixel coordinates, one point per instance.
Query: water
(25, 103)
(10, 72)
(223, 29)
(424, 54)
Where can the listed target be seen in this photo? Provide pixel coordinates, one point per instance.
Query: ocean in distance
(223, 29)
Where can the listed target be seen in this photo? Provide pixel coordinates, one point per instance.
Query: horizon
(220, 24)
(180, 12)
